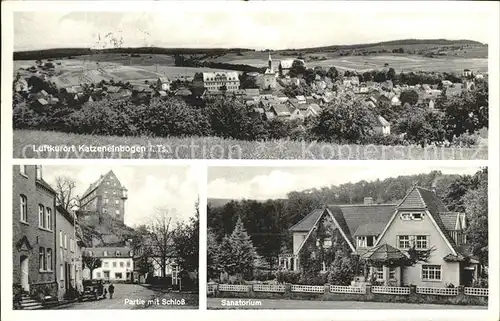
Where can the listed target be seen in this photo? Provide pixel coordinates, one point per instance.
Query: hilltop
(415, 44)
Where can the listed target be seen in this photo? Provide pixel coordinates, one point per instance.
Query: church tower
(269, 75)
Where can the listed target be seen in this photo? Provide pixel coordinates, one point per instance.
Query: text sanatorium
(241, 303)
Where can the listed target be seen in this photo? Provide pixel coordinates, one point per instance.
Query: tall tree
(186, 240)
(476, 210)
(91, 262)
(65, 187)
(213, 250)
(161, 234)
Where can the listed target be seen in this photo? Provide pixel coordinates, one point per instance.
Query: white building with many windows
(220, 81)
(117, 264)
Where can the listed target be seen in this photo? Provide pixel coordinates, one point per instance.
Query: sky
(149, 187)
(262, 183)
(250, 25)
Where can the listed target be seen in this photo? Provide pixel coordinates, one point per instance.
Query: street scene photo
(105, 237)
(279, 83)
(347, 237)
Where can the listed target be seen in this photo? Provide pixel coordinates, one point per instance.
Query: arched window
(105, 253)
(23, 208)
(49, 259)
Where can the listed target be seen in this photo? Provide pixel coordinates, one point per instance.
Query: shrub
(466, 140)
(480, 283)
(288, 277)
(392, 140)
(310, 279)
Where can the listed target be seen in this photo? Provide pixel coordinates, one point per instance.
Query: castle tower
(106, 196)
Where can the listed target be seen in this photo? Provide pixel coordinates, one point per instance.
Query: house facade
(117, 264)
(106, 195)
(33, 228)
(69, 254)
(385, 233)
(216, 81)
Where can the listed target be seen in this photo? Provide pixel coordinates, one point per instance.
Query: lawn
(46, 144)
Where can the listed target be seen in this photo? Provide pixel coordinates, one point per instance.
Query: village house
(117, 264)
(384, 233)
(163, 83)
(68, 248)
(33, 227)
(216, 81)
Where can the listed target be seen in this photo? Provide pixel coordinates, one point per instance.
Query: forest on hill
(267, 222)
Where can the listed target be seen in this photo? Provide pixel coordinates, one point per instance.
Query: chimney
(368, 201)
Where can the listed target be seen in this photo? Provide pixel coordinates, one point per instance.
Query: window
(404, 241)
(60, 238)
(117, 212)
(105, 253)
(98, 275)
(65, 241)
(105, 264)
(370, 240)
(48, 214)
(114, 264)
(38, 170)
(104, 210)
(41, 216)
(431, 272)
(118, 275)
(105, 201)
(128, 263)
(392, 273)
(23, 208)
(22, 170)
(417, 216)
(41, 259)
(122, 264)
(117, 202)
(406, 216)
(361, 241)
(131, 253)
(49, 259)
(90, 253)
(61, 272)
(118, 253)
(378, 271)
(421, 242)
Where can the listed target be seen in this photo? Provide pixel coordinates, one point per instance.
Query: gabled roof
(305, 224)
(450, 220)
(368, 229)
(281, 110)
(96, 184)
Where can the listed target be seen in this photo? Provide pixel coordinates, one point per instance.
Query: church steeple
(270, 63)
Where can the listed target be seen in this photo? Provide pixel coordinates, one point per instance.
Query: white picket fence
(347, 289)
(390, 290)
(437, 291)
(269, 287)
(476, 291)
(234, 287)
(308, 288)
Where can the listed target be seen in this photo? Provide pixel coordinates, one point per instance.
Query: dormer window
(105, 253)
(118, 253)
(418, 216)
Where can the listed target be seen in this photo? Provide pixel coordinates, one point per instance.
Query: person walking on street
(111, 290)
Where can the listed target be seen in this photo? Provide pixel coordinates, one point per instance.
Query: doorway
(67, 276)
(24, 261)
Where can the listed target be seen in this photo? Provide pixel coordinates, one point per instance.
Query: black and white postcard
(104, 237)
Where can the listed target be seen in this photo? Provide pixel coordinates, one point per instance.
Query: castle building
(270, 75)
(106, 196)
(216, 81)
(33, 232)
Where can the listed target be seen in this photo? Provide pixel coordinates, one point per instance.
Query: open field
(42, 144)
(401, 63)
(73, 72)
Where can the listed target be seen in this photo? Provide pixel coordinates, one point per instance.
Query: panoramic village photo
(100, 237)
(347, 237)
(249, 84)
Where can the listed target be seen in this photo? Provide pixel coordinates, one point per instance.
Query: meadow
(34, 144)
(401, 63)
